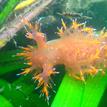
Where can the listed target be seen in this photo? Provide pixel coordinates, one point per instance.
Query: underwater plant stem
(9, 31)
(73, 93)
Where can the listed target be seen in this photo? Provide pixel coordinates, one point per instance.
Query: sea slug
(77, 48)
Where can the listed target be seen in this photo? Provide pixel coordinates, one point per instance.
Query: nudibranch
(77, 48)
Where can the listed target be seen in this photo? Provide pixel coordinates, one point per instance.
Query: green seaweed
(11, 67)
(8, 56)
(5, 102)
(9, 62)
(7, 10)
(21, 93)
(73, 93)
(5, 87)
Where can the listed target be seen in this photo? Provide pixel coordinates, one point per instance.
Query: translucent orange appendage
(26, 71)
(42, 82)
(27, 49)
(75, 25)
(88, 30)
(78, 77)
(26, 55)
(45, 90)
(62, 29)
(93, 70)
(44, 78)
(29, 35)
(63, 24)
(21, 54)
(27, 52)
(29, 63)
(25, 21)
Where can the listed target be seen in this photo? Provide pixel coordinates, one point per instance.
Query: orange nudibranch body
(77, 48)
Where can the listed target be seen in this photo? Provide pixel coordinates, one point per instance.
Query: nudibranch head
(38, 59)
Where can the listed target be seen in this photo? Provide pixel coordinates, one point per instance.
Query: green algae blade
(9, 62)
(7, 10)
(5, 87)
(94, 90)
(73, 93)
(4, 102)
(9, 56)
(22, 93)
(69, 93)
(11, 67)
